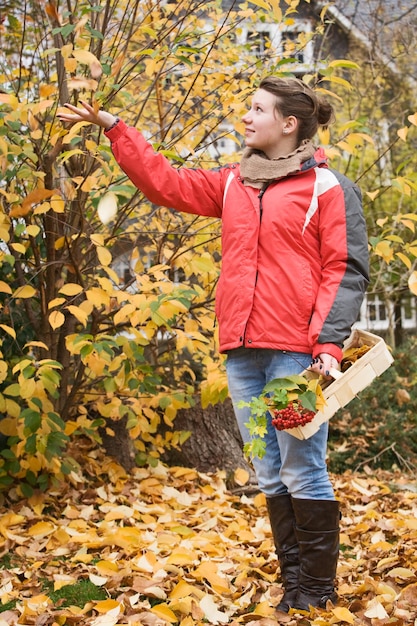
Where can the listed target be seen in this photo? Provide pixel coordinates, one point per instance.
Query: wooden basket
(342, 390)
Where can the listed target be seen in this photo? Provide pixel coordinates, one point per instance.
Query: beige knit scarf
(257, 170)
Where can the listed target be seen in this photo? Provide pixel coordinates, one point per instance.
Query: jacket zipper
(261, 209)
(260, 196)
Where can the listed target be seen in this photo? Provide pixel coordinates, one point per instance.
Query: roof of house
(374, 23)
(385, 13)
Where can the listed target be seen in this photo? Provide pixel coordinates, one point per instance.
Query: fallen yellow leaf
(241, 476)
(183, 589)
(9, 519)
(104, 606)
(41, 529)
(182, 556)
(208, 570)
(401, 573)
(107, 568)
(343, 615)
(164, 612)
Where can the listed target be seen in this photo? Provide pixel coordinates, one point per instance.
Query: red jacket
(294, 259)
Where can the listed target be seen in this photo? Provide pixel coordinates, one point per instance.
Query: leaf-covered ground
(170, 545)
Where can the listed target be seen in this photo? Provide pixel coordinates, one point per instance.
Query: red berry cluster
(292, 416)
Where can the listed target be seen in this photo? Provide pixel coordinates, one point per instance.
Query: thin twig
(409, 466)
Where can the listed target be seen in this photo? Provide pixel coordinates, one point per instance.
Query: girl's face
(266, 129)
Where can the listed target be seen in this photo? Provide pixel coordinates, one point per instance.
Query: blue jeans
(290, 465)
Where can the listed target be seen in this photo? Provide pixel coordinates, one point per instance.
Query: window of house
(296, 44)
(292, 46)
(260, 42)
(374, 314)
(222, 141)
(376, 309)
(275, 42)
(408, 312)
(408, 309)
(262, 39)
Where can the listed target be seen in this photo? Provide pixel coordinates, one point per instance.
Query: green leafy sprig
(277, 395)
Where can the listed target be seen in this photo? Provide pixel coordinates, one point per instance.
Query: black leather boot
(281, 516)
(317, 532)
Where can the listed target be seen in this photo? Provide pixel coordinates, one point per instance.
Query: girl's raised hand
(86, 114)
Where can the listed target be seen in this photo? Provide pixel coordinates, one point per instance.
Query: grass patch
(9, 606)
(6, 561)
(78, 594)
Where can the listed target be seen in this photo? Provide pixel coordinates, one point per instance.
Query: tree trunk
(398, 328)
(215, 443)
(118, 443)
